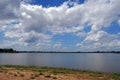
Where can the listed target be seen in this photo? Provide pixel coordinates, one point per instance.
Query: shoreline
(50, 73)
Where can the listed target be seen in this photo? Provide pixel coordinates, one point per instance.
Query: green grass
(115, 76)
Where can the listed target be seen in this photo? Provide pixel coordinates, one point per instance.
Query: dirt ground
(46, 74)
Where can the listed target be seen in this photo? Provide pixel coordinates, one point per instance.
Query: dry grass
(44, 73)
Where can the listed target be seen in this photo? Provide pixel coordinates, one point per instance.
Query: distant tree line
(5, 50)
(69, 52)
(10, 50)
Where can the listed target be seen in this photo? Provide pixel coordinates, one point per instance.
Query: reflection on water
(83, 61)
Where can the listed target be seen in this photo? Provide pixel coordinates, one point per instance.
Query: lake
(103, 62)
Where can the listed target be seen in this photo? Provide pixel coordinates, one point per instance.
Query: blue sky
(49, 3)
(60, 25)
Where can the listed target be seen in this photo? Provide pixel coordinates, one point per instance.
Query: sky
(60, 25)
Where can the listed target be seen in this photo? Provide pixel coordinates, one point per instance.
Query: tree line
(5, 50)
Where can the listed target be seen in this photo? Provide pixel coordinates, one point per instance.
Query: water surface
(103, 62)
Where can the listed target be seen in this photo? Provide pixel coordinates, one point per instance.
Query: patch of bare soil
(21, 74)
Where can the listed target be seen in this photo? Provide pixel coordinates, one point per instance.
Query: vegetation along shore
(9, 72)
(10, 50)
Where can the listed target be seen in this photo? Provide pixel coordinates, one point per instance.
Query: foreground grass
(9, 72)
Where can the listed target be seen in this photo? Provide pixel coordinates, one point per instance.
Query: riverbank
(45, 73)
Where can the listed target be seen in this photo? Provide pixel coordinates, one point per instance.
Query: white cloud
(8, 9)
(97, 14)
(81, 34)
(99, 41)
(119, 21)
(35, 21)
(114, 43)
(57, 45)
(26, 1)
(99, 36)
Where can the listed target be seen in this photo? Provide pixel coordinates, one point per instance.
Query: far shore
(10, 72)
(10, 50)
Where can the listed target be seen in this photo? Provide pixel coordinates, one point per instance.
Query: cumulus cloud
(57, 45)
(36, 21)
(119, 21)
(8, 9)
(99, 36)
(81, 34)
(52, 18)
(96, 14)
(100, 41)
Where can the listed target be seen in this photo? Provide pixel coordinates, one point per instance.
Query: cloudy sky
(60, 25)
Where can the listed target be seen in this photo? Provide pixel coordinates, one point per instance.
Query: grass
(54, 73)
(15, 75)
(48, 76)
(22, 75)
(32, 77)
(115, 76)
(53, 76)
(1, 71)
(36, 75)
(40, 73)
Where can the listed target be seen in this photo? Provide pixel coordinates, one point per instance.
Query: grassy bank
(8, 72)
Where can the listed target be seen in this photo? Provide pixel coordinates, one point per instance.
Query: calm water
(106, 62)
